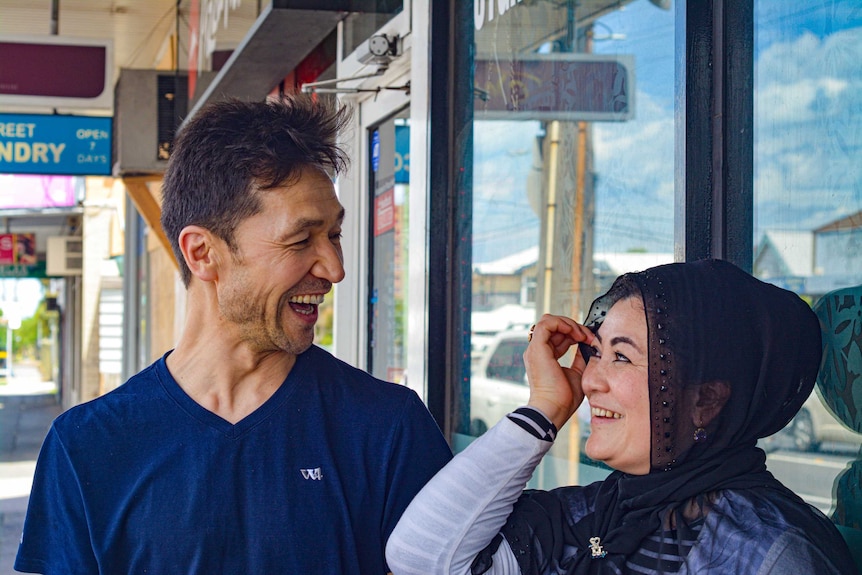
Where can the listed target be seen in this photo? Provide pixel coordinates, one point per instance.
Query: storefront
(587, 139)
(511, 158)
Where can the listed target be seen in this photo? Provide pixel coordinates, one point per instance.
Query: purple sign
(56, 72)
(25, 191)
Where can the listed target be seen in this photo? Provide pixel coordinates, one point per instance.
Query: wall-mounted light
(379, 48)
(379, 51)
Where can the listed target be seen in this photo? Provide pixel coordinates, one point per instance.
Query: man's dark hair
(231, 150)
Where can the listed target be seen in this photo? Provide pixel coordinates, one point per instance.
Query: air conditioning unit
(148, 108)
(65, 256)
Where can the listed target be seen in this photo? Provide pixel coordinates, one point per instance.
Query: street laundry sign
(62, 145)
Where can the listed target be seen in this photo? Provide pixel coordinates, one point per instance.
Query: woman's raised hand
(555, 390)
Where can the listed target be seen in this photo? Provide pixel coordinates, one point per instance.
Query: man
(246, 449)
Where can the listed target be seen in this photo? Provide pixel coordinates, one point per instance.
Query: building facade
(594, 136)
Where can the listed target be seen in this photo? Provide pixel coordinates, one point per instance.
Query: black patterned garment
(706, 504)
(707, 322)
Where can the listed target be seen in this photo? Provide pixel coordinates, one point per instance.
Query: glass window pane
(808, 226)
(388, 254)
(573, 182)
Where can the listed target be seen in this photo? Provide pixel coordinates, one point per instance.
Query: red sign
(384, 212)
(194, 46)
(17, 249)
(7, 249)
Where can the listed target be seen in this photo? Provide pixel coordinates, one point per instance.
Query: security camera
(380, 49)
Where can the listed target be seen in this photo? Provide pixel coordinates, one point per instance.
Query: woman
(685, 366)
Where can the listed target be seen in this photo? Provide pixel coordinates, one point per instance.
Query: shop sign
(384, 212)
(70, 145)
(210, 13)
(194, 45)
(36, 270)
(566, 87)
(29, 191)
(483, 9)
(17, 249)
(402, 155)
(56, 72)
(375, 150)
(18, 258)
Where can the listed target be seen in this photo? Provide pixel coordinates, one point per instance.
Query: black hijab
(707, 321)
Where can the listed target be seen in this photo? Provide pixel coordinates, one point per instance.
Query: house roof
(619, 263)
(794, 248)
(846, 223)
(509, 265)
(616, 263)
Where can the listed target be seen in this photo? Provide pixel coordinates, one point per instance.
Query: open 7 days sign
(65, 145)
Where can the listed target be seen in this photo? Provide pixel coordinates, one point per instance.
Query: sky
(808, 148)
(21, 295)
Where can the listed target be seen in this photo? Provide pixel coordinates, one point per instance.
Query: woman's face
(616, 384)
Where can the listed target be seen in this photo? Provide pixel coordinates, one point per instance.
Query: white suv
(498, 386)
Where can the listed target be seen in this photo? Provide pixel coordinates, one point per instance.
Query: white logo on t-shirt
(314, 474)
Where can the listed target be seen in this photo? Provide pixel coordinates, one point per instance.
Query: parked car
(812, 427)
(499, 385)
(499, 380)
(485, 325)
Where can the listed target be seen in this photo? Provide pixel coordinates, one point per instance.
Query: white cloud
(808, 137)
(808, 150)
(637, 156)
(634, 163)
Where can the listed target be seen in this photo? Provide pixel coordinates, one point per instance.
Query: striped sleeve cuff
(534, 422)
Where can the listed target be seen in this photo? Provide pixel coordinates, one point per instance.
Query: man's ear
(198, 247)
(711, 397)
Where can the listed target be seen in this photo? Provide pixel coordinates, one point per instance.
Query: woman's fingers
(559, 333)
(554, 389)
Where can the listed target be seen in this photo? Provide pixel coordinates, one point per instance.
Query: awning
(281, 37)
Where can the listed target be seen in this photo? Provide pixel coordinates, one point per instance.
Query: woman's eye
(588, 351)
(621, 357)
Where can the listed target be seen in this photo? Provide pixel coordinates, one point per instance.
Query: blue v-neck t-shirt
(144, 480)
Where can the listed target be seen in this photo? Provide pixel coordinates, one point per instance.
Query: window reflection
(388, 254)
(808, 224)
(573, 181)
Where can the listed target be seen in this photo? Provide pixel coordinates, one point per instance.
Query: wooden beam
(149, 207)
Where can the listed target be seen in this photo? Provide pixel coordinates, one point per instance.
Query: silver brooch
(596, 550)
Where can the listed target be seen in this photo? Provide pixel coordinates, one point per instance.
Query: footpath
(27, 407)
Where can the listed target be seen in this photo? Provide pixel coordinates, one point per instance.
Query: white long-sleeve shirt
(464, 506)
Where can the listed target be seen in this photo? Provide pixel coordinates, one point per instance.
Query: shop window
(808, 227)
(388, 287)
(571, 156)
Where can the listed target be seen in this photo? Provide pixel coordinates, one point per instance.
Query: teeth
(307, 299)
(599, 412)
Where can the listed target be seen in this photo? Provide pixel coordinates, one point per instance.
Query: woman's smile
(601, 413)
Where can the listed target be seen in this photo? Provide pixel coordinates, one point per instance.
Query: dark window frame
(714, 159)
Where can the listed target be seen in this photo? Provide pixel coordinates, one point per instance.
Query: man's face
(288, 256)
